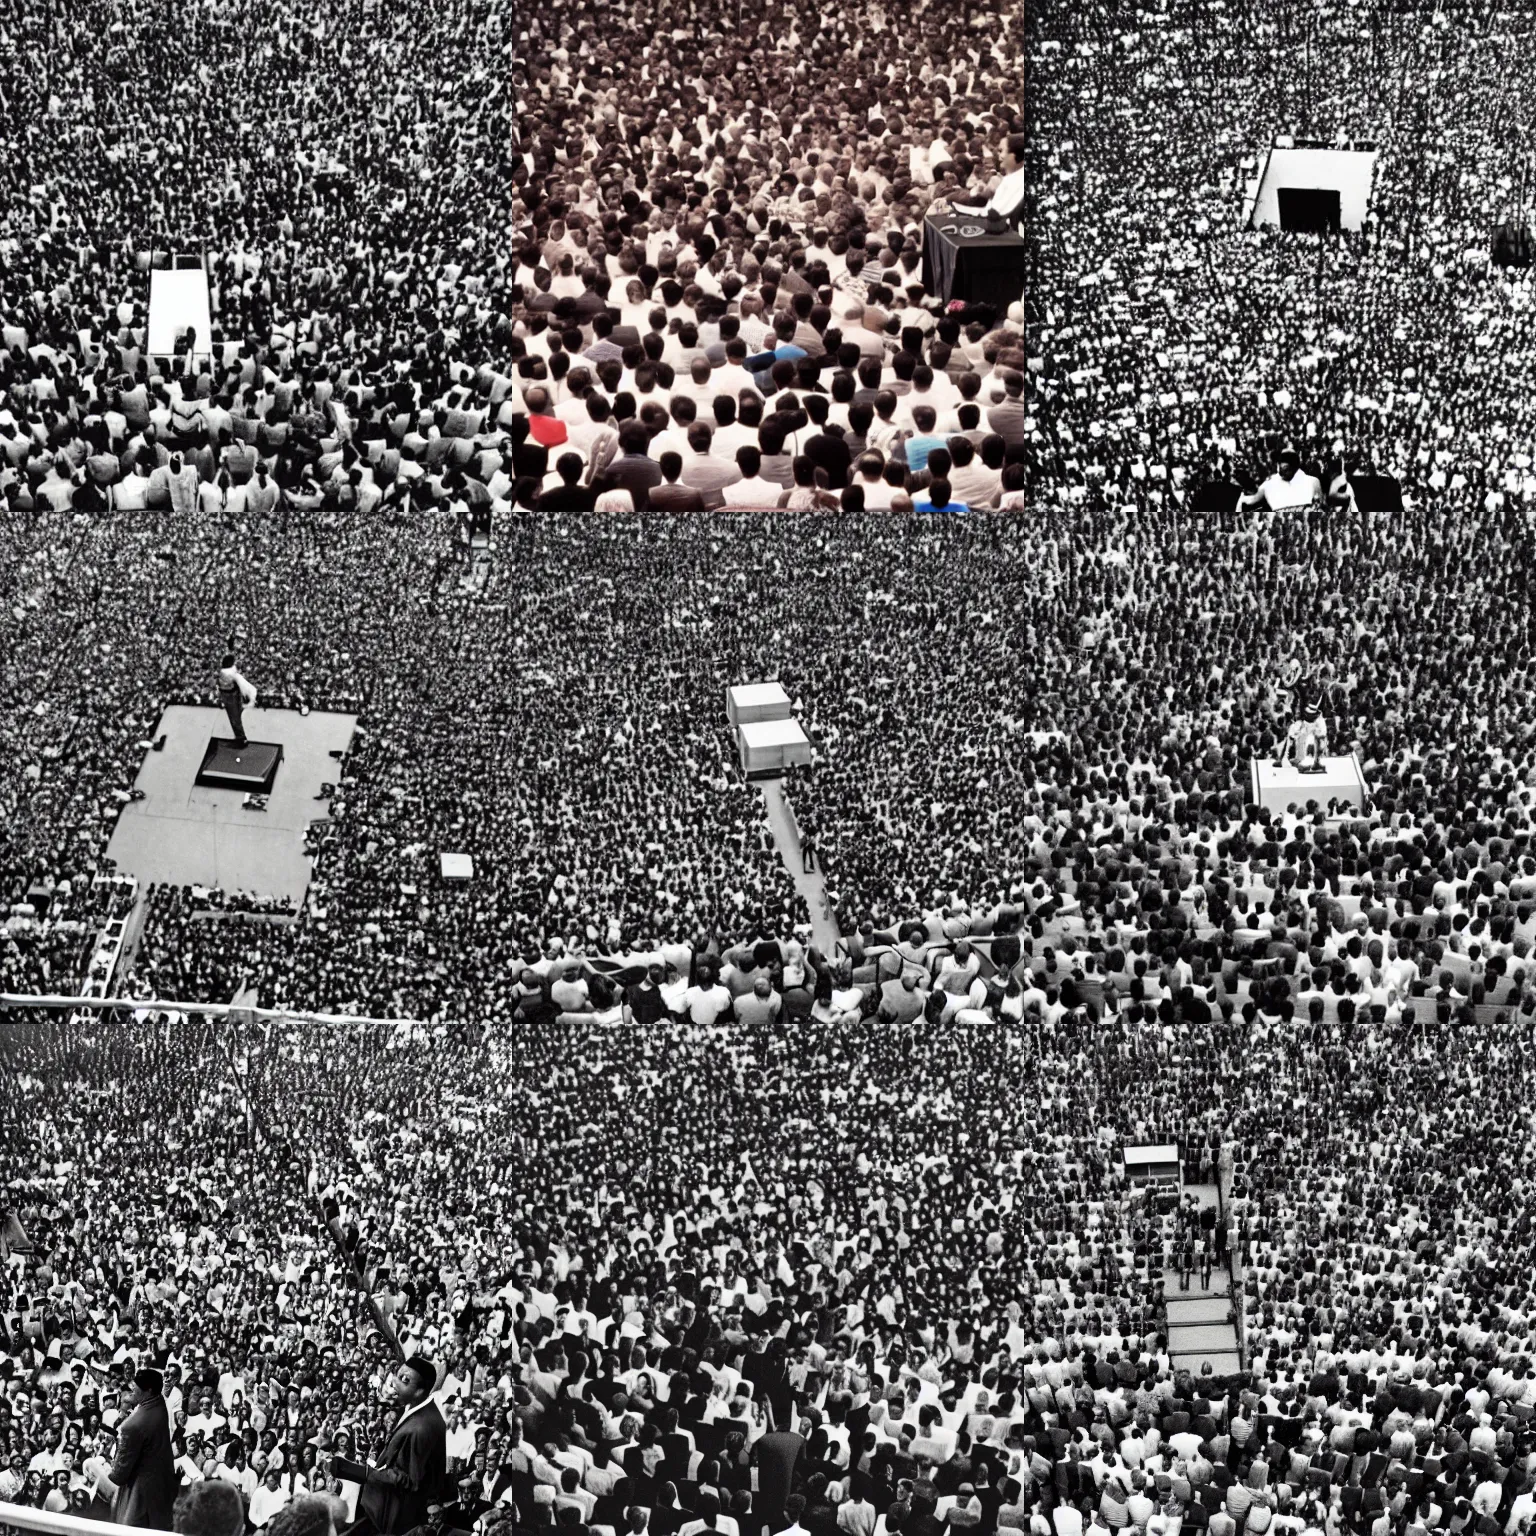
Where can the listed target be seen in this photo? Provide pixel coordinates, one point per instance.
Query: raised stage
(1152, 1163)
(179, 300)
(768, 747)
(189, 832)
(252, 768)
(1279, 788)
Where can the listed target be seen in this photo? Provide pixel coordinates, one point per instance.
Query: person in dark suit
(829, 450)
(634, 470)
(777, 1456)
(570, 495)
(412, 1472)
(143, 1483)
(671, 496)
(462, 1514)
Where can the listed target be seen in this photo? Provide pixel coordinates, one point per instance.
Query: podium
(252, 768)
(1277, 788)
(962, 261)
(456, 868)
(767, 737)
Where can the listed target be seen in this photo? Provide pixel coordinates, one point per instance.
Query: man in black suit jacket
(143, 1481)
(777, 1456)
(670, 496)
(412, 1473)
(633, 470)
(462, 1514)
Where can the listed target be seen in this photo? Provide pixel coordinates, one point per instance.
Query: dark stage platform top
(251, 769)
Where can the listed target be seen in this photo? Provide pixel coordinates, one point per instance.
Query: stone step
(1191, 1338)
(1209, 1309)
(1223, 1362)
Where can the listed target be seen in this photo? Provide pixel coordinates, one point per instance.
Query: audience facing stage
(802, 1175)
(783, 259)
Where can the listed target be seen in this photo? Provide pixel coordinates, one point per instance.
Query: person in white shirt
(730, 434)
(1287, 487)
(694, 379)
(270, 1497)
(708, 1517)
(1067, 1520)
(971, 479)
(1008, 199)
(232, 1469)
(733, 377)
(236, 694)
(706, 1000)
(205, 1422)
(870, 476)
(131, 494)
(1521, 1513)
(751, 490)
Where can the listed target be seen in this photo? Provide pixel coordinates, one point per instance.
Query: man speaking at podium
(982, 262)
(1289, 486)
(1008, 201)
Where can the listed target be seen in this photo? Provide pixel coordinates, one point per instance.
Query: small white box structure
(1349, 172)
(1277, 788)
(1151, 1163)
(748, 702)
(458, 867)
(178, 298)
(768, 747)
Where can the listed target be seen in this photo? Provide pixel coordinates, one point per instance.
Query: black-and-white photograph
(767, 772)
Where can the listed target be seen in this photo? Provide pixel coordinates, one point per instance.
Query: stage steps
(1184, 1311)
(1201, 1325)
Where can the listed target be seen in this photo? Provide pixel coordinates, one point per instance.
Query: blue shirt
(760, 364)
(949, 506)
(918, 449)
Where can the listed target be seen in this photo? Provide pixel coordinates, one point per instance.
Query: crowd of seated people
(651, 1224)
(445, 260)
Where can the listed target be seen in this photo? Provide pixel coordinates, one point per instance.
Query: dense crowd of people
(476, 266)
(585, 689)
(642, 1240)
(710, 1229)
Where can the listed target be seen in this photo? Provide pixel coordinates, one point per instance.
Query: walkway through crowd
(811, 885)
(1202, 1319)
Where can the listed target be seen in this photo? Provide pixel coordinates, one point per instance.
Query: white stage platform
(768, 747)
(178, 298)
(747, 702)
(1151, 1163)
(1349, 172)
(1278, 788)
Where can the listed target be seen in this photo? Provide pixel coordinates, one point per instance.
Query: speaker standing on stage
(413, 1471)
(235, 694)
(142, 1482)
